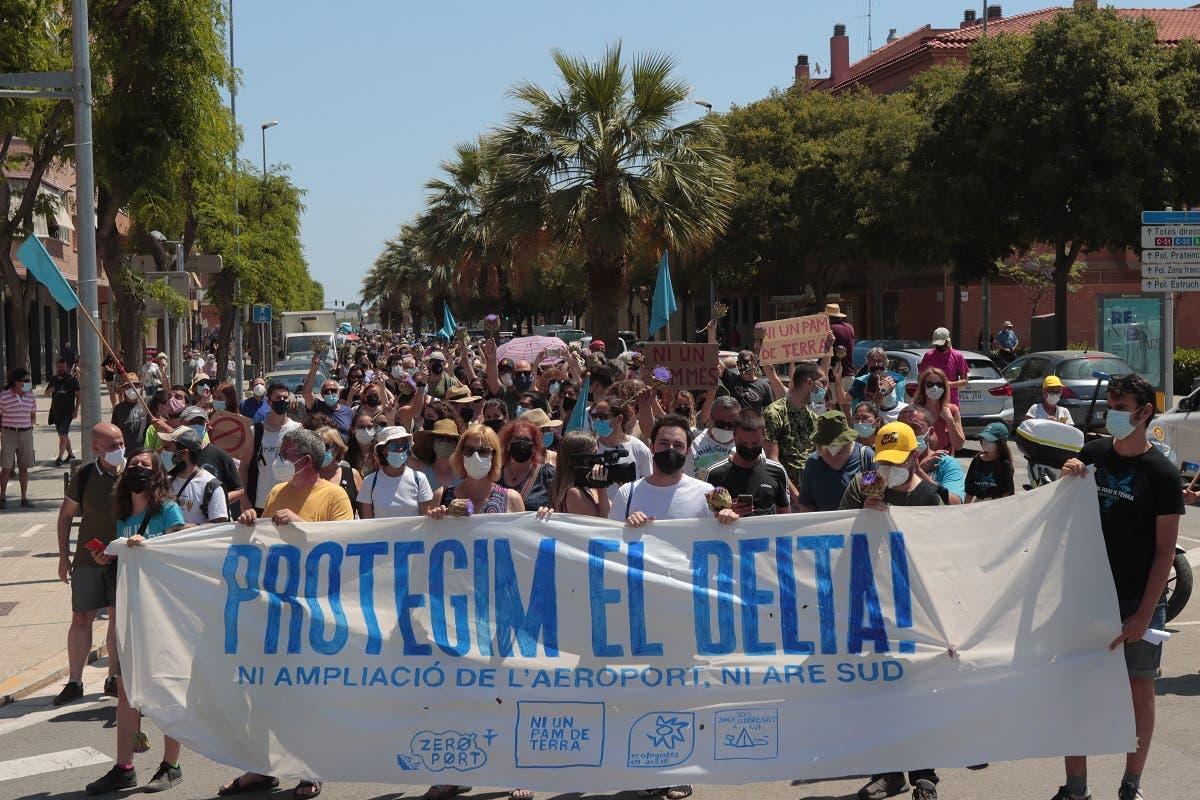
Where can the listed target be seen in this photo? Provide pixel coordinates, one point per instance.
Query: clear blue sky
(371, 95)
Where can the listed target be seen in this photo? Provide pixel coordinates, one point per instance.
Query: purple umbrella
(527, 347)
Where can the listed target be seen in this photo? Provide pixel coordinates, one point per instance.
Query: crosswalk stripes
(51, 762)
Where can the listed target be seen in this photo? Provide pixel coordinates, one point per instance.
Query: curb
(42, 675)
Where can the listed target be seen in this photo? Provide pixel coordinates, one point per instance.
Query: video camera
(610, 460)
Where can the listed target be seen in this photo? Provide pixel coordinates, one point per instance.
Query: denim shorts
(1143, 659)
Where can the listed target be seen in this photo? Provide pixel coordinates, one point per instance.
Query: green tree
(1034, 274)
(599, 163)
(33, 134)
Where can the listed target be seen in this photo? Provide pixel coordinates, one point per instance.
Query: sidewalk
(35, 606)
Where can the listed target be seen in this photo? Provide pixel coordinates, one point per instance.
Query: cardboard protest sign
(692, 366)
(233, 433)
(794, 339)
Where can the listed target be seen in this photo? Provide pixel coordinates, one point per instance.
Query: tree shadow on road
(1182, 685)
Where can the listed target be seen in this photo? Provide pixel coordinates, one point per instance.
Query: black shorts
(93, 588)
(1142, 659)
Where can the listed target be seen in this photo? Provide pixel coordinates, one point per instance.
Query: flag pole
(118, 359)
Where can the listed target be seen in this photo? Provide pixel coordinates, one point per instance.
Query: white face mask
(1053, 397)
(506, 380)
(477, 466)
(364, 435)
(115, 458)
(834, 452)
(894, 476)
(934, 392)
(130, 395)
(988, 447)
(720, 436)
(284, 470)
(259, 390)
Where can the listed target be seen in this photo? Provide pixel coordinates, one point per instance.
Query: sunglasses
(469, 451)
(524, 373)
(724, 426)
(683, 411)
(600, 415)
(398, 448)
(939, 385)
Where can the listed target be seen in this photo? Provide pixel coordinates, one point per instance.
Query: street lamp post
(239, 362)
(262, 207)
(712, 288)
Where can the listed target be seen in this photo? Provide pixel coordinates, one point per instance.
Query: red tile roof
(1173, 24)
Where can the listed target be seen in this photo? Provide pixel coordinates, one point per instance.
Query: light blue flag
(578, 420)
(449, 326)
(40, 265)
(663, 305)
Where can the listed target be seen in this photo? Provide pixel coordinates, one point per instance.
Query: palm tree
(400, 279)
(597, 164)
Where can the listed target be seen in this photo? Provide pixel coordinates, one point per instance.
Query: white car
(1179, 430)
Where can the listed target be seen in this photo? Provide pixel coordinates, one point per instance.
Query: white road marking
(1173, 624)
(16, 723)
(35, 528)
(51, 762)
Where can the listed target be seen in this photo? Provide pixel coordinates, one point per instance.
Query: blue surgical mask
(167, 460)
(219, 405)
(327, 459)
(397, 460)
(818, 395)
(520, 410)
(331, 400)
(548, 438)
(1119, 424)
(200, 430)
(921, 443)
(602, 428)
(864, 429)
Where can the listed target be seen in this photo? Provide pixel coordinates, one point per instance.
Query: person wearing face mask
(440, 379)
(330, 401)
(867, 420)
(713, 444)
(877, 367)
(745, 473)
(152, 376)
(790, 423)
(212, 458)
(1141, 502)
(476, 461)
(1052, 392)
(524, 466)
(63, 390)
(951, 362)
(608, 418)
(201, 391)
(942, 469)
(89, 495)
(224, 399)
(199, 493)
(298, 495)
(495, 414)
(129, 414)
(18, 415)
(395, 489)
(362, 439)
(463, 402)
(565, 400)
(837, 461)
(746, 384)
(335, 469)
(931, 395)
(433, 446)
(144, 510)
(990, 475)
(268, 436)
(548, 431)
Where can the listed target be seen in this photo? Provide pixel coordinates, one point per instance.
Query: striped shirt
(16, 409)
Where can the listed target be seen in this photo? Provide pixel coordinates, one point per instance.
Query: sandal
(521, 794)
(442, 791)
(679, 792)
(260, 783)
(651, 792)
(307, 789)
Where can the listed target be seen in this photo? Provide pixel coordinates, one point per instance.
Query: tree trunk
(1064, 259)
(604, 289)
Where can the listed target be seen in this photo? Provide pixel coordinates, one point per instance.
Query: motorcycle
(1047, 444)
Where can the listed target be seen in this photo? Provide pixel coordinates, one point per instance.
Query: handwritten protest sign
(794, 339)
(504, 650)
(692, 366)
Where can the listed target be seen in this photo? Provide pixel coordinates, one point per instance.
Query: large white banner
(576, 654)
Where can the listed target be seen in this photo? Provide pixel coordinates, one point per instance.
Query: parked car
(988, 399)
(292, 374)
(1179, 429)
(861, 346)
(1074, 368)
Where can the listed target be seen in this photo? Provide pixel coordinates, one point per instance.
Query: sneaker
(882, 786)
(58, 461)
(1129, 792)
(924, 790)
(114, 780)
(26, 503)
(1063, 794)
(166, 777)
(110, 685)
(69, 694)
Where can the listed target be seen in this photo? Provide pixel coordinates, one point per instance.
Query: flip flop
(678, 792)
(236, 786)
(311, 789)
(521, 794)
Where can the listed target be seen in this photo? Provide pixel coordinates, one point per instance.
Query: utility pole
(239, 359)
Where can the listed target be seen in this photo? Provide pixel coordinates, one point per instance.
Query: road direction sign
(1155, 236)
(1171, 284)
(260, 314)
(207, 264)
(1171, 270)
(1171, 256)
(1171, 217)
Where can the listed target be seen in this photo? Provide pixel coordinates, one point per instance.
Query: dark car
(1074, 368)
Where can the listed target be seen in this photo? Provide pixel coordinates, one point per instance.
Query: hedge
(1187, 368)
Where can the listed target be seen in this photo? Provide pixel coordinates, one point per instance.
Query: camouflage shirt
(791, 428)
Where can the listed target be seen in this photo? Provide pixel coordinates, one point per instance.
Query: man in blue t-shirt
(832, 465)
(941, 468)
(330, 400)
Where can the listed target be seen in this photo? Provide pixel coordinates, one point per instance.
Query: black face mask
(568, 403)
(669, 461)
(466, 414)
(137, 479)
(522, 382)
(521, 450)
(279, 406)
(749, 453)
(436, 367)
(494, 424)
(373, 400)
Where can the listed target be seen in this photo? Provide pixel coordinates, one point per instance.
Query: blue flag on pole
(449, 326)
(40, 265)
(663, 305)
(578, 420)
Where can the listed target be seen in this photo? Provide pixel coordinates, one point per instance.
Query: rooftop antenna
(870, 42)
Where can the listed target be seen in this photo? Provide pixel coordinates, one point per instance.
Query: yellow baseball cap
(894, 443)
(1052, 382)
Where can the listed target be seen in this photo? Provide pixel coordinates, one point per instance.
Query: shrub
(1187, 368)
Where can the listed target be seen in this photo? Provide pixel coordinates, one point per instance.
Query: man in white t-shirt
(395, 489)
(274, 427)
(713, 446)
(198, 492)
(1052, 392)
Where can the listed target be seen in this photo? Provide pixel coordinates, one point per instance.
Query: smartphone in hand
(95, 546)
